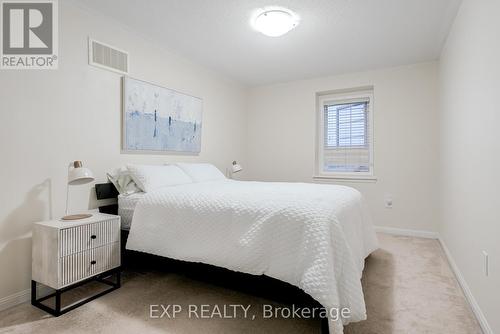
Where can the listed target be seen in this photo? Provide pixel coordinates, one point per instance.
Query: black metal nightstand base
(57, 311)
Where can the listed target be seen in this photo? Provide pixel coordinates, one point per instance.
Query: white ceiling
(334, 36)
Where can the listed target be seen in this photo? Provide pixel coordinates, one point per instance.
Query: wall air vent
(107, 57)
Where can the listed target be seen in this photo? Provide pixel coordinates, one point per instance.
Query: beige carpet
(408, 285)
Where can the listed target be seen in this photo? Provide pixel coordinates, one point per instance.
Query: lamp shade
(236, 167)
(79, 174)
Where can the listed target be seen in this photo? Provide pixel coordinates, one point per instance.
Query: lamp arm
(67, 198)
(67, 188)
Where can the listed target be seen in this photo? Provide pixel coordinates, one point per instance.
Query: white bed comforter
(313, 236)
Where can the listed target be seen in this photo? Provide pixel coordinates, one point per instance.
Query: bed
(126, 208)
(312, 236)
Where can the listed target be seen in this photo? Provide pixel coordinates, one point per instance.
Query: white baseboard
(21, 297)
(15, 299)
(465, 288)
(407, 233)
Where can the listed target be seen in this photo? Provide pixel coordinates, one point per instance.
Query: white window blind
(346, 143)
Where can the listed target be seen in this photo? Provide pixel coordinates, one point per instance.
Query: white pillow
(149, 178)
(201, 172)
(123, 182)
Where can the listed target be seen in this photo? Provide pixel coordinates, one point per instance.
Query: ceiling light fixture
(275, 21)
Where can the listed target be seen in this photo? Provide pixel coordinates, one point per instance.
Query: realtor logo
(29, 34)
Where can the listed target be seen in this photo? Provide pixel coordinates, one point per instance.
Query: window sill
(345, 178)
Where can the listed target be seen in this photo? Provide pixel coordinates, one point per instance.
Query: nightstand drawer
(84, 237)
(91, 262)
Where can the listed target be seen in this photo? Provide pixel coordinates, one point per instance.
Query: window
(345, 134)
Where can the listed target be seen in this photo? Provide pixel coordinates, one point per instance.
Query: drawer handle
(93, 262)
(93, 236)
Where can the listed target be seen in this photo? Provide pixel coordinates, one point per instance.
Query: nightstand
(67, 254)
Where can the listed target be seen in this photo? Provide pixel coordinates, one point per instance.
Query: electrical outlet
(388, 202)
(486, 264)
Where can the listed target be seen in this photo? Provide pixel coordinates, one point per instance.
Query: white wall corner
(467, 292)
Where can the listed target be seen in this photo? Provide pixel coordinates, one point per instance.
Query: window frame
(339, 97)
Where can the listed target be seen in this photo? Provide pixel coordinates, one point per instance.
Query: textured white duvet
(313, 236)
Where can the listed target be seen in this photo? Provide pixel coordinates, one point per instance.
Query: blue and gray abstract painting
(160, 119)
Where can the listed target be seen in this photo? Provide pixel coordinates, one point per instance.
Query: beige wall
(48, 118)
(470, 115)
(281, 130)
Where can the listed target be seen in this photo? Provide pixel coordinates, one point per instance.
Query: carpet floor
(408, 286)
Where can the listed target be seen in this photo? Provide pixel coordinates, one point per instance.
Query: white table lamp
(77, 175)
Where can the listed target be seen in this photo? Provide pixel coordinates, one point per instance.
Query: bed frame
(260, 286)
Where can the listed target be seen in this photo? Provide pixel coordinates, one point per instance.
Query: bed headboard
(107, 191)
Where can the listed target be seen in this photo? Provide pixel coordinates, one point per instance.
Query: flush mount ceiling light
(275, 22)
